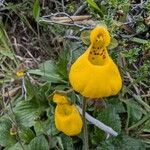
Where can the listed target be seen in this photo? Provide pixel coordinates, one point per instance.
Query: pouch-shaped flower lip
(64, 110)
(67, 117)
(91, 65)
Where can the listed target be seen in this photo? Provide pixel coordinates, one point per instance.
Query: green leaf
(45, 89)
(97, 136)
(133, 104)
(135, 115)
(85, 37)
(27, 23)
(50, 76)
(63, 63)
(4, 44)
(16, 146)
(94, 5)
(52, 128)
(38, 94)
(59, 140)
(135, 111)
(42, 126)
(110, 117)
(140, 41)
(26, 134)
(39, 143)
(48, 72)
(6, 52)
(61, 87)
(67, 142)
(27, 111)
(76, 50)
(140, 122)
(32, 90)
(116, 104)
(113, 43)
(147, 127)
(5, 138)
(36, 10)
(122, 142)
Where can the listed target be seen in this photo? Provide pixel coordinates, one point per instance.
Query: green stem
(85, 131)
(128, 117)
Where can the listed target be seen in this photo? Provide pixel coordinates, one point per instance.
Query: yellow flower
(13, 130)
(60, 99)
(67, 117)
(94, 74)
(20, 73)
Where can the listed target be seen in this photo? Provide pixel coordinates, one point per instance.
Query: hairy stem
(85, 131)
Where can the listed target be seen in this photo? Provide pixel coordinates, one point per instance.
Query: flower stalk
(85, 131)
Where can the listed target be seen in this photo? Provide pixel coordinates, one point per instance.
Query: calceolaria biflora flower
(94, 74)
(67, 117)
(13, 130)
(20, 73)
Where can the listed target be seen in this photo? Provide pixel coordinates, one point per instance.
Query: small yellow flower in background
(13, 130)
(20, 73)
(94, 74)
(67, 117)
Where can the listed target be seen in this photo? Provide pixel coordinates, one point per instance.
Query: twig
(24, 90)
(12, 92)
(58, 14)
(50, 21)
(131, 80)
(70, 19)
(138, 97)
(56, 2)
(43, 4)
(140, 5)
(72, 38)
(145, 95)
(2, 2)
(98, 123)
(63, 6)
(80, 9)
(65, 24)
(29, 53)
